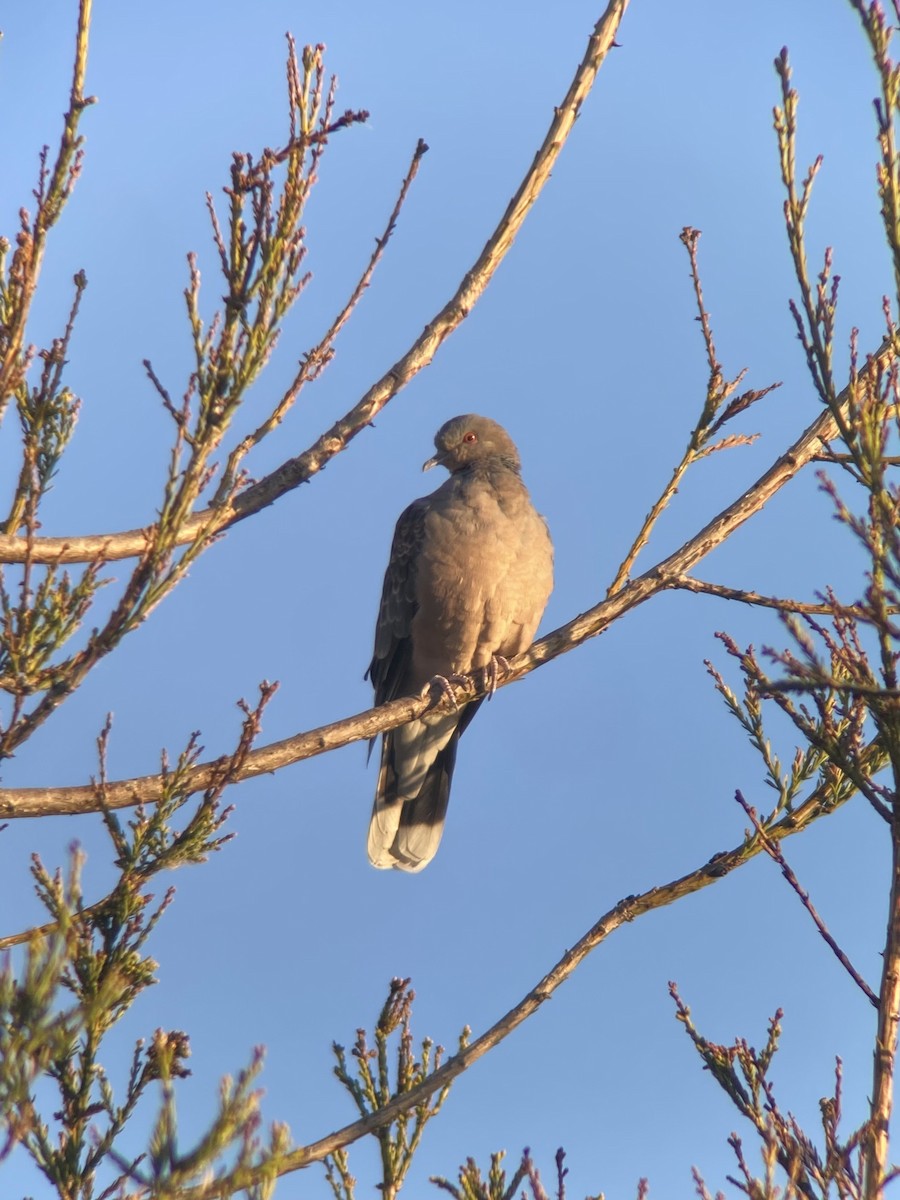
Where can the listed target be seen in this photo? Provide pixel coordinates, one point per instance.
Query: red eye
(470, 437)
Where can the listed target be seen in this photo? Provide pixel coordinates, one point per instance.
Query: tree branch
(302, 468)
(668, 574)
(774, 852)
(782, 604)
(816, 805)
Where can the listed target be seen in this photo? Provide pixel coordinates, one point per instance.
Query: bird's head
(470, 439)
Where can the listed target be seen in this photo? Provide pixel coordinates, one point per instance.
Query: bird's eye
(470, 437)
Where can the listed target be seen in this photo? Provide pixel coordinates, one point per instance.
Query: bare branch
(712, 417)
(774, 852)
(667, 574)
(623, 913)
(298, 470)
(783, 604)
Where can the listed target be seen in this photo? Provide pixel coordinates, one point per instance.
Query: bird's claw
(490, 677)
(492, 673)
(444, 685)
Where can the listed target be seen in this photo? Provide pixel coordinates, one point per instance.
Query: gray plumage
(470, 572)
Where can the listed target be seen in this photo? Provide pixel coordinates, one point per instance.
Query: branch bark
(879, 1141)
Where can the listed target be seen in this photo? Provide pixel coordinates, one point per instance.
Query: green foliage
(473, 1185)
(373, 1089)
(36, 1031)
(47, 414)
(95, 954)
(743, 1074)
(44, 618)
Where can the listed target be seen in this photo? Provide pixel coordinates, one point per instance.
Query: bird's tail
(413, 791)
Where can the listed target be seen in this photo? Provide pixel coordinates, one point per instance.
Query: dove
(469, 576)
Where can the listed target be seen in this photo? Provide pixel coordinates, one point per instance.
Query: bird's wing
(392, 655)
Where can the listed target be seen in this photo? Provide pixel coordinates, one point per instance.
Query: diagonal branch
(300, 469)
(818, 804)
(774, 852)
(668, 574)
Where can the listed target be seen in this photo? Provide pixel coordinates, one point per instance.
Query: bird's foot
(492, 673)
(490, 676)
(444, 685)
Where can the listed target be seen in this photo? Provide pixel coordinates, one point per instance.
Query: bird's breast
(483, 581)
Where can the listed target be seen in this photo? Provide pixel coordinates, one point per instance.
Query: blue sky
(609, 770)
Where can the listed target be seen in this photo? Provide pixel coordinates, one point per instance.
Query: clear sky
(609, 770)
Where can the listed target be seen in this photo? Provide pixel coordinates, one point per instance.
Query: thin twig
(774, 852)
(782, 604)
(55, 187)
(317, 358)
(889, 460)
(714, 414)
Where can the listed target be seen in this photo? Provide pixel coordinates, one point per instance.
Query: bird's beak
(434, 461)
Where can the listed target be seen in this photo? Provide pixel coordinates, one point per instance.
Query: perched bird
(470, 572)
